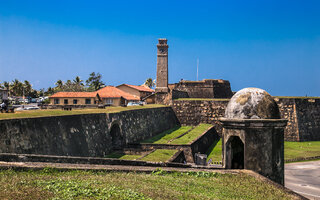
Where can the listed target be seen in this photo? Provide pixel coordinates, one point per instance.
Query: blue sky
(273, 45)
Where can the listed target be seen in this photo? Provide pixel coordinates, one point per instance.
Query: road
(304, 178)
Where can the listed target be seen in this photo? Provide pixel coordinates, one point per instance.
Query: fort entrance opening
(116, 137)
(235, 148)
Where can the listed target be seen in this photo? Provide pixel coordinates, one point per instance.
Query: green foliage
(150, 83)
(94, 82)
(192, 135)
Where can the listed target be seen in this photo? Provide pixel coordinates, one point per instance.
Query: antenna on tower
(197, 69)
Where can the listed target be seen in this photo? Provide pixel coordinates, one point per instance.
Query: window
(88, 101)
(56, 101)
(109, 101)
(65, 101)
(75, 101)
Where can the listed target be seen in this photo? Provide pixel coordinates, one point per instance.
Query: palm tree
(27, 87)
(78, 81)
(150, 83)
(59, 84)
(17, 87)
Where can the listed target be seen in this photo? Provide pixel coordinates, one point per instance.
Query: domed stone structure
(253, 134)
(252, 103)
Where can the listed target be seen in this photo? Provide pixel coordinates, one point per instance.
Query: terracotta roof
(74, 94)
(142, 88)
(113, 92)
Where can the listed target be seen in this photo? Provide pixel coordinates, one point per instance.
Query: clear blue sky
(273, 45)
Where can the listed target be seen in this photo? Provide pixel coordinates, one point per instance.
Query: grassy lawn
(165, 137)
(52, 184)
(192, 135)
(160, 155)
(215, 152)
(296, 97)
(123, 156)
(58, 112)
(292, 150)
(301, 149)
(200, 99)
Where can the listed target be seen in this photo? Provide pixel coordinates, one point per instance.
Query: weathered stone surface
(253, 134)
(303, 115)
(76, 135)
(207, 88)
(252, 103)
(162, 66)
(82, 135)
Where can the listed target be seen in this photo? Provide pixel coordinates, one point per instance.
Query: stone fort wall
(81, 135)
(303, 115)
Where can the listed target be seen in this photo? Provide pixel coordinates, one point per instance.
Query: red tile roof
(113, 92)
(142, 88)
(74, 94)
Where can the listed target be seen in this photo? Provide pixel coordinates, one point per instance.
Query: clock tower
(162, 66)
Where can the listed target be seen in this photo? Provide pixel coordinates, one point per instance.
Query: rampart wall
(303, 115)
(81, 135)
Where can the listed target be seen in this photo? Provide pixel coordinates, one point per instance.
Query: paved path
(304, 178)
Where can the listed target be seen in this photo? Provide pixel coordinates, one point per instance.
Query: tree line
(18, 88)
(93, 83)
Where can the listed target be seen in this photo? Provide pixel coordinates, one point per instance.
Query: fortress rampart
(83, 135)
(303, 115)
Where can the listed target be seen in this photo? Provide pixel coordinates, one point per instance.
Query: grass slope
(59, 112)
(160, 155)
(165, 137)
(52, 184)
(192, 135)
(215, 152)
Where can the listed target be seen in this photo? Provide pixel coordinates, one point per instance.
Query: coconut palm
(150, 83)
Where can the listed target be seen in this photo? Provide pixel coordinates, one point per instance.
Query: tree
(27, 88)
(50, 91)
(78, 81)
(59, 84)
(94, 82)
(150, 83)
(16, 88)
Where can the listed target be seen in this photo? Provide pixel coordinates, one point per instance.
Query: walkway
(304, 178)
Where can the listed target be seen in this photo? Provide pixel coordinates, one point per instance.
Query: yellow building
(115, 97)
(138, 91)
(75, 98)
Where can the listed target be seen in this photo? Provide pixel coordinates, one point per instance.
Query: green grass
(52, 184)
(295, 97)
(123, 156)
(59, 112)
(294, 150)
(160, 155)
(215, 152)
(192, 135)
(165, 137)
(201, 99)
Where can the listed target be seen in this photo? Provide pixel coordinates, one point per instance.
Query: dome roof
(252, 103)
